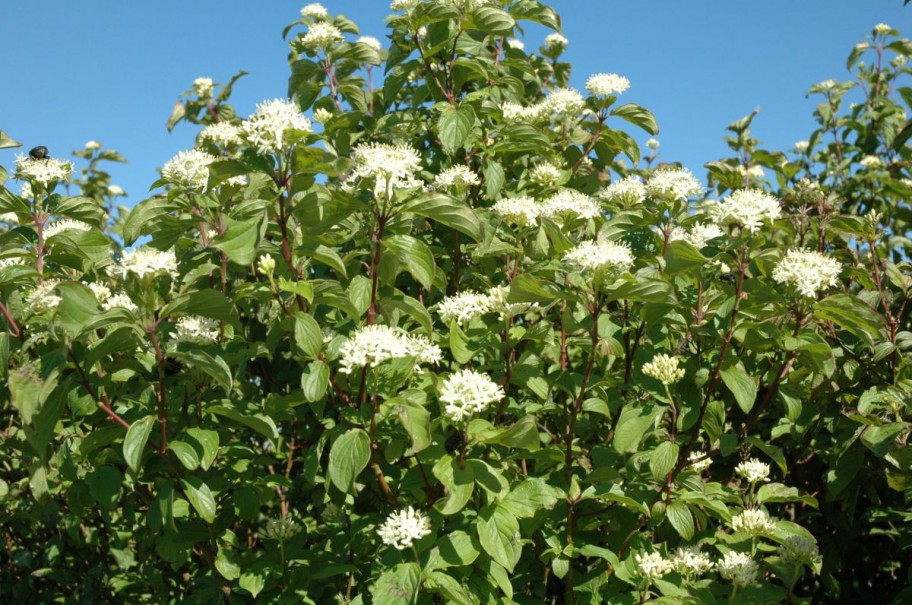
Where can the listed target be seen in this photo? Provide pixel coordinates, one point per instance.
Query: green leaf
(213, 366)
(528, 289)
(315, 380)
(740, 383)
(498, 532)
(529, 497)
(78, 307)
(681, 519)
(879, 439)
(208, 442)
(348, 456)
(451, 590)
(241, 240)
(208, 303)
(416, 421)
(447, 211)
(185, 453)
(397, 586)
(663, 459)
(456, 549)
(638, 116)
(200, 497)
(135, 441)
(459, 481)
(631, 427)
(493, 20)
(682, 256)
(308, 335)
(852, 315)
(415, 255)
(227, 564)
(6, 142)
(454, 126)
(252, 582)
(264, 425)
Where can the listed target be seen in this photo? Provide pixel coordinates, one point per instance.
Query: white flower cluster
(673, 184)
(42, 298)
(115, 190)
(498, 301)
(753, 521)
(871, 161)
(391, 167)
(808, 271)
(314, 11)
(749, 208)
(194, 328)
(605, 85)
(372, 345)
(514, 112)
(698, 235)
(459, 177)
(565, 102)
(102, 292)
(274, 125)
(26, 190)
(664, 369)
(118, 300)
(92, 146)
(569, 202)
(463, 307)
(521, 211)
(203, 87)
(46, 171)
(223, 134)
(545, 173)
(652, 566)
(189, 170)
(802, 146)
(404, 528)
(882, 29)
(753, 470)
(596, 255)
(739, 568)
(466, 393)
(371, 42)
(798, 549)
(691, 562)
(629, 191)
(404, 5)
(66, 224)
(148, 261)
(516, 44)
(556, 41)
(321, 115)
(754, 172)
(653, 144)
(699, 461)
(321, 35)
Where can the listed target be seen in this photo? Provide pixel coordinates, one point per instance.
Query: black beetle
(39, 153)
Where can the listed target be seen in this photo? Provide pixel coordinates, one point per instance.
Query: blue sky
(111, 71)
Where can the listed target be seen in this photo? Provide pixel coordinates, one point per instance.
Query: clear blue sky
(111, 70)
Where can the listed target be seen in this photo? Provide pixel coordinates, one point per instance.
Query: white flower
(749, 208)
(754, 172)
(882, 29)
(498, 302)
(237, 181)
(871, 161)
(514, 112)
(738, 568)
(118, 300)
(274, 125)
(459, 176)
(516, 44)
(391, 166)
(802, 146)
(691, 562)
(404, 5)
(628, 191)
(189, 169)
(25, 190)
(565, 102)
(223, 134)
(594, 256)
(556, 41)
(468, 392)
(463, 307)
(698, 235)
(664, 369)
(653, 144)
(203, 87)
(753, 470)
(545, 173)
(798, 549)
(521, 211)
(568, 202)
(42, 298)
(321, 35)
(46, 171)
(148, 261)
(371, 346)
(652, 566)
(101, 291)
(673, 184)
(194, 328)
(828, 84)
(92, 145)
(266, 265)
(753, 521)
(321, 115)
(404, 528)
(699, 461)
(115, 190)
(371, 41)
(66, 224)
(605, 85)
(315, 11)
(808, 271)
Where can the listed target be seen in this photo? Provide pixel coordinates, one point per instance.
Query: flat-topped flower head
(802, 146)
(871, 161)
(753, 521)
(606, 85)
(456, 177)
(556, 41)
(597, 255)
(673, 184)
(545, 173)
(664, 369)
(44, 172)
(404, 5)
(466, 393)
(116, 190)
(42, 298)
(514, 112)
(882, 29)
(808, 271)
(698, 235)
(371, 42)
(193, 328)
(738, 568)
(799, 549)
(223, 134)
(691, 562)
(498, 301)
(148, 261)
(314, 10)
(118, 300)
(403, 528)
(568, 203)
(653, 144)
(629, 191)
(516, 44)
(101, 291)
(371, 346)
(754, 172)
(274, 126)
(203, 87)
(747, 208)
(463, 307)
(189, 170)
(699, 461)
(390, 166)
(521, 211)
(321, 34)
(92, 146)
(64, 224)
(652, 566)
(566, 102)
(753, 470)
